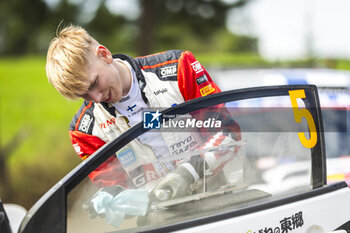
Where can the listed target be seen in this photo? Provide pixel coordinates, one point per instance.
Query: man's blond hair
(67, 59)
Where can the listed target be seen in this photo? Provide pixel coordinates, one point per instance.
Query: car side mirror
(4, 222)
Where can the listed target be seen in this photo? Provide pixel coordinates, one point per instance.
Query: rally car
(334, 93)
(226, 198)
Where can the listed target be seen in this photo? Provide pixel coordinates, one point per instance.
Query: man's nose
(96, 96)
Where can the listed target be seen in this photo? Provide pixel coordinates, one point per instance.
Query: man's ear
(104, 53)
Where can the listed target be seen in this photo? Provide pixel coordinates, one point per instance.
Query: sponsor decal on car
(333, 178)
(285, 225)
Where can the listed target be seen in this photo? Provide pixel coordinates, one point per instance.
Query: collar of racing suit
(139, 76)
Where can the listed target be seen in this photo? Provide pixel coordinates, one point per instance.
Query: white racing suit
(165, 79)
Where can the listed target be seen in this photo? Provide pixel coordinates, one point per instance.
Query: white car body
(280, 183)
(315, 217)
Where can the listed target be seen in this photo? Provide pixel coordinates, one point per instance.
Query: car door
(230, 173)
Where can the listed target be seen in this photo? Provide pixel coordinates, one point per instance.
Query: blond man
(116, 88)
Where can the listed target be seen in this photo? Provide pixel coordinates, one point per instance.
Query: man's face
(104, 77)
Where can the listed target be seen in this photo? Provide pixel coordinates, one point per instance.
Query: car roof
(241, 78)
(333, 85)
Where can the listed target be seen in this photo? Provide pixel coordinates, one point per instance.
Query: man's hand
(88, 205)
(173, 185)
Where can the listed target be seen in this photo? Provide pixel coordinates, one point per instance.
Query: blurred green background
(35, 151)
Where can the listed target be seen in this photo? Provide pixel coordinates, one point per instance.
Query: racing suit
(165, 79)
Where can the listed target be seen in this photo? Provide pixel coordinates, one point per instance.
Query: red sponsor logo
(150, 172)
(197, 67)
(107, 123)
(77, 149)
(143, 174)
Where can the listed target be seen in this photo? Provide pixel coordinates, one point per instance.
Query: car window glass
(241, 152)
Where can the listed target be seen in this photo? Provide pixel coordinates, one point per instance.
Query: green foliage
(120, 36)
(197, 25)
(17, 21)
(28, 102)
(340, 64)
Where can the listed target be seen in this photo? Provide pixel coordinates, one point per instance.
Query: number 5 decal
(299, 114)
